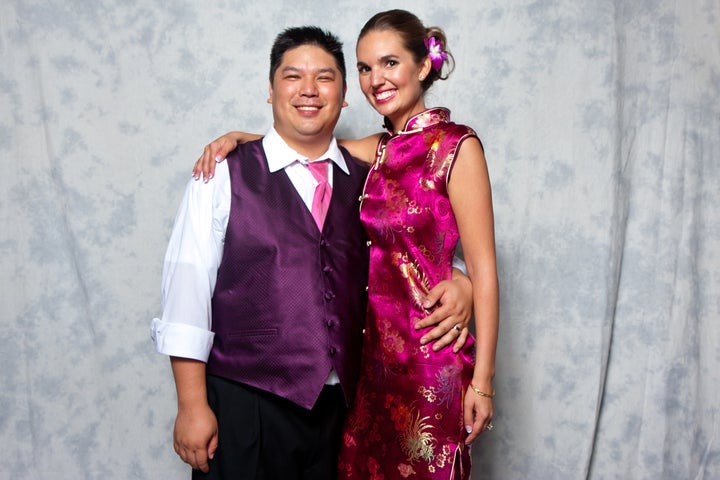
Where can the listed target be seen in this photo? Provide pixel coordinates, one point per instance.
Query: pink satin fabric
(407, 420)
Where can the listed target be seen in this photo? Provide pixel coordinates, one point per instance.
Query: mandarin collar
(424, 119)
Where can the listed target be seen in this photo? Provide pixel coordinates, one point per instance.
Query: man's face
(307, 93)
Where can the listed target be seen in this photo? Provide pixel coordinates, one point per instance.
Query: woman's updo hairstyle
(415, 38)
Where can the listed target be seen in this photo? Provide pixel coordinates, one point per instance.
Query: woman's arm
(471, 200)
(217, 150)
(363, 148)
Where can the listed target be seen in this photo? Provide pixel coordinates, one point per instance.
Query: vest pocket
(260, 332)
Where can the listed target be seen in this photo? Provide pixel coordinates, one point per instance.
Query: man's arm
(185, 330)
(453, 300)
(196, 430)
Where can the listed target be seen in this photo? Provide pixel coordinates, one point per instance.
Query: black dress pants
(265, 437)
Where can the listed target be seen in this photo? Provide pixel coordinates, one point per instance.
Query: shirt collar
(280, 155)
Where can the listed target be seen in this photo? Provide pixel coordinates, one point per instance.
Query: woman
(417, 410)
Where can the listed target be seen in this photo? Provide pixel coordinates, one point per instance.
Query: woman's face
(390, 77)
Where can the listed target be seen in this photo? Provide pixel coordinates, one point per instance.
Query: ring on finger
(457, 328)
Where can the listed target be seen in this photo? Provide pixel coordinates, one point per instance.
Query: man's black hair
(299, 36)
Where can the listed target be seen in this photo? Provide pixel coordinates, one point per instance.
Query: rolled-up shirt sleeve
(190, 269)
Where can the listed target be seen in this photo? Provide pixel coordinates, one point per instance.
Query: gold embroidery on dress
(442, 458)
(417, 281)
(432, 154)
(428, 393)
(392, 340)
(413, 208)
(427, 253)
(427, 184)
(425, 349)
(417, 442)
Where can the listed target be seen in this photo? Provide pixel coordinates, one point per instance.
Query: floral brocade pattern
(406, 421)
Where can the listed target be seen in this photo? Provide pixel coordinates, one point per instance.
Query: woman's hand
(216, 151)
(478, 411)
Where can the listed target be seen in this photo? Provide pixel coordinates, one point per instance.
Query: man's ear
(270, 92)
(345, 103)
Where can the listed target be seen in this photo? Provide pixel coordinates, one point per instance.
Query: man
(264, 301)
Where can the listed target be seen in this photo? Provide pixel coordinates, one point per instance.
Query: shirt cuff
(181, 340)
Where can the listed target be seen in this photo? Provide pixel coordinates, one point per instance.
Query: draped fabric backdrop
(601, 123)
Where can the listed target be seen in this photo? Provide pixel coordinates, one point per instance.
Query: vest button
(330, 324)
(327, 270)
(329, 295)
(333, 351)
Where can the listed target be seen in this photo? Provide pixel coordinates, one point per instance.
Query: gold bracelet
(481, 393)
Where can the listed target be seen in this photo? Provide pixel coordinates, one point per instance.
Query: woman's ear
(425, 67)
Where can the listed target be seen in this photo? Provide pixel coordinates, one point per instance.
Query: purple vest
(289, 303)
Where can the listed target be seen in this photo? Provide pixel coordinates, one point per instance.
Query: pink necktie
(323, 191)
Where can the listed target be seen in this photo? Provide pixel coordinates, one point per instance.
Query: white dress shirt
(196, 246)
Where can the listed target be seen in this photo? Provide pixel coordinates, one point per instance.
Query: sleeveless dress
(407, 419)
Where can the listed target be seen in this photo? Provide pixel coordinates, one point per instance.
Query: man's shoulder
(355, 165)
(245, 153)
(247, 148)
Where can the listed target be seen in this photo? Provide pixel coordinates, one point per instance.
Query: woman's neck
(399, 121)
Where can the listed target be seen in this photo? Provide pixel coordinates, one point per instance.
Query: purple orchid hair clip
(435, 52)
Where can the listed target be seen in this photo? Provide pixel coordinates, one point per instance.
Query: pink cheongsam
(407, 418)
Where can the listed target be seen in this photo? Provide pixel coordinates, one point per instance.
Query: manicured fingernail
(468, 429)
(218, 159)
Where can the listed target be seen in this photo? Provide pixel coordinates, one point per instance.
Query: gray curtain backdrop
(601, 123)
